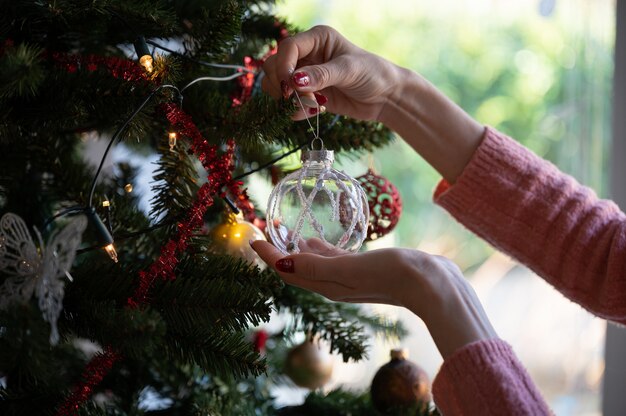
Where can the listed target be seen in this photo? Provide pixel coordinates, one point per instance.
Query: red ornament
(259, 339)
(246, 81)
(385, 204)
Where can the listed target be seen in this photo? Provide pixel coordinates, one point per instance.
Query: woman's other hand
(430, 286)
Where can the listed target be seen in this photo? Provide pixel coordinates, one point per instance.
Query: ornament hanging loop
(320, 141)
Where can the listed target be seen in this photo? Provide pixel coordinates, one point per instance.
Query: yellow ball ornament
(233, 237)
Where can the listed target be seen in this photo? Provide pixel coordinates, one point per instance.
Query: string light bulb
(110, 249)
(172, 140)
(145, 57)
(128, 187)
(104, 238)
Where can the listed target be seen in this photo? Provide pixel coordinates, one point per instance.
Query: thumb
(317, 77)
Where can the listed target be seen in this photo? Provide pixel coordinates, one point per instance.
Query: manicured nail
(284, 87)
(285, 265)
(321, 99)
(301, 79)
(250, 242)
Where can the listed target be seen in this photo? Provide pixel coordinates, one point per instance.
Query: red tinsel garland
(93, 374)
(118, 67)
(219, 168)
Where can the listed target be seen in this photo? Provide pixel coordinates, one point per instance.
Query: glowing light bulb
(110, 249)
(146, 61)
(172, 140)
(128, 187)
(106, 203)
(145, 58)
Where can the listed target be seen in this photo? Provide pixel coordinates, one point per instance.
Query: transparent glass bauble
(317, 202)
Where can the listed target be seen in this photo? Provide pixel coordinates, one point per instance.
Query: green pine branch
(176, 181)
(215, 292)
(343, 325)
(21, 71)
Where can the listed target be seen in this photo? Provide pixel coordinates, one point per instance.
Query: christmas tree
(114, 304)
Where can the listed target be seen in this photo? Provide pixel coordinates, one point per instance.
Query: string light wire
(241, 70)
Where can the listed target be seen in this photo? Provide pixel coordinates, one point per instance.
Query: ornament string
(316, 130)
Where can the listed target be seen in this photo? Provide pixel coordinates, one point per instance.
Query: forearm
(480, 374)
(527, 208)
(439, 130)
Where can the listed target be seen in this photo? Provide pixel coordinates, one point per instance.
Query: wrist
(400, 101)
(439, 130)
(450, 309)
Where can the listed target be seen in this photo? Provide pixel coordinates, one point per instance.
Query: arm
(518, 202)
(526, 207)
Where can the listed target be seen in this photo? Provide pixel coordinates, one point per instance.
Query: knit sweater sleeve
(485, 378)
(527, 208)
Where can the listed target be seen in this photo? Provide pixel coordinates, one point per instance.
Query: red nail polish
(285, 265)
(321, 99)
(312, 111)
(301, 79)
(284, 87)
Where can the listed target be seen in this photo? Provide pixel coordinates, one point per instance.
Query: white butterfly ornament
(29, 270)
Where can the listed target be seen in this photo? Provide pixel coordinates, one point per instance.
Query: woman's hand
(432, 287)
(362, 85)
(351, 81)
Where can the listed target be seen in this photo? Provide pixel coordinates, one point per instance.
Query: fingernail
(301, 79)
(285, 265)
(284, 87)
(250, 242)
(312, 111)
(321, 99)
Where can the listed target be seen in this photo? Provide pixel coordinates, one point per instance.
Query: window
(540, 71)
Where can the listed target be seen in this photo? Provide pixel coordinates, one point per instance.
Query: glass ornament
(233, 237)
(319, 202)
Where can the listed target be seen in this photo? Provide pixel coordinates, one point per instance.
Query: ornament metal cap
(322, 155)
(399, 354)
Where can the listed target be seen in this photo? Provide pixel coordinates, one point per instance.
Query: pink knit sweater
(524, 206)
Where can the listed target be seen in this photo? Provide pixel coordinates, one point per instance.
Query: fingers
(323, 248)
(337, 72)
(322, 47)
(304, 270)
(296, 48)
(267, 252)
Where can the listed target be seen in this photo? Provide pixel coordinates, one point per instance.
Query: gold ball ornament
(308, 365)
(400, 383)
(233, 237)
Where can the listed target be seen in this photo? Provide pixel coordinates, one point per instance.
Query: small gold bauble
(308, 365)
(233, 237)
